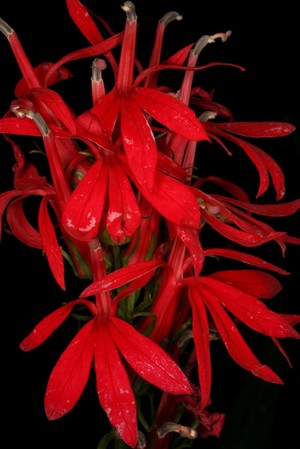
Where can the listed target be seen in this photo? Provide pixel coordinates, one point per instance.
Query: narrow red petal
(5, 199)
(258, 129)
(83, 21)
(46, 327)
(252, 153)
(174, 200)
(113, 387)
(122, 276)
(82, 213)
(243, 238)
(123, 216)
(269, 210)
(50, 243)
(87, 52)
(148, 359)
(20, 226)
(139, 143)
(19, 126)
(55, 103)
(235, 344)
(190, 237)
(41, 71)
(250, 310)
(245, 258)
(70, 374)
(254, 282)
(107, 111)
(275, 172)
(171, 112)
(180, 56)
(200, 328)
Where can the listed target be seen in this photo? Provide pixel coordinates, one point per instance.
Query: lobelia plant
(122, 206)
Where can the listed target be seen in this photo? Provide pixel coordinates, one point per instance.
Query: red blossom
(102, 342)
(123, 208)
(232, 290)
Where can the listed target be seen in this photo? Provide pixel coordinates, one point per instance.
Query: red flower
(238, 292)
(233, 216)
(128, 105)
(102, 342)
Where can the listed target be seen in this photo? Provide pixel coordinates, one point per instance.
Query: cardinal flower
(103, 342)
(219, 297)
(127, 107)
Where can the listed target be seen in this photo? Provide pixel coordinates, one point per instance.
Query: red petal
(55, 103)
(123, 216)
(114, 389)
(171, 112)
(148, 359)
(241, 237)
(70, 374)
(82, 213)
(258, 129)
(88, 52)
(249, 309)
(21, 227)
(254, 282)
(51, 246)
(83, 21)
(5, 199)
(122, 276)
(173, 200)
(202, 345)
(245, 258)
(275, 172)
(252, 153)
(107, 111)
(48, 325)
(180, 56)
(19, 126)
(41, 71)
(190, 237)
(139, 143)
(269, 210)
(235, 344)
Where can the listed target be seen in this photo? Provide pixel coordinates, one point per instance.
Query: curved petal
(122, 276)
(171, 112)
(255, 282)
(234, 342)
(20, 226)
(200, 327)
(82, 19)
(245, 258)
(49, 324)
(50, 243)
(174, 200)
(113, 387)
(258, 129)
(148, 359)
(123, 216)
(54, 102)
(82, 213)
(70, 374)
(249, 309)
(139, 143)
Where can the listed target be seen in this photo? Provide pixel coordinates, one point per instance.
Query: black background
(265, 42)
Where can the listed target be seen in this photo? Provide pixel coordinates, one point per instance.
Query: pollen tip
(5, 28)
(129, 8)
(170, 17)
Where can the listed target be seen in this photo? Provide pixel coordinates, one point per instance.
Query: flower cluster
(122, 204)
